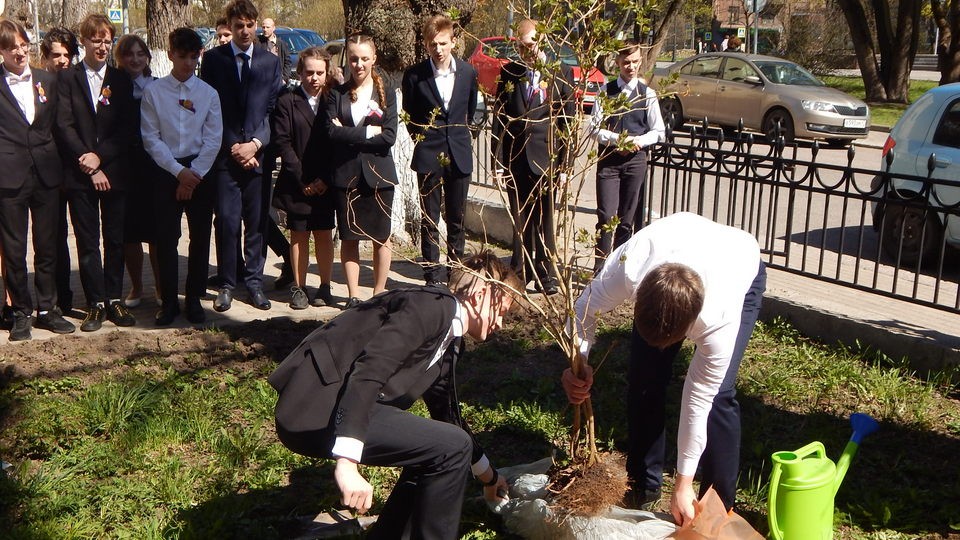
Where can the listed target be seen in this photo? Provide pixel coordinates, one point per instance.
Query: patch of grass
(881, 114)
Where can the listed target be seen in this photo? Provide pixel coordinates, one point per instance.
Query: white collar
(12, 77)
(450, 71)
(238, 50)
(628, 86)
(102, 72)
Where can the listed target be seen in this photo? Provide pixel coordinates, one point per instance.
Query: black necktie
(245, 69)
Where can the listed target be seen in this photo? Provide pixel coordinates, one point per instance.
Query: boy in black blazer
(440, 97)
(97, 117)
(530, 110)
(29, 185)
(247, 78)
(343, 394)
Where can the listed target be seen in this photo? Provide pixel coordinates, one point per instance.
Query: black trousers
(169, 213)
(435, 456)
(239, 214)
(647, 378)
(619, 192)
(97, 214)
(64, 294)
(446, 190)
(532, 206)
(17, 207)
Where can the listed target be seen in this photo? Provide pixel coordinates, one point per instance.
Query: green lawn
(882, 114)
(174, 438)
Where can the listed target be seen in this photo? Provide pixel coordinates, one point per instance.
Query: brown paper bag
(714, 523)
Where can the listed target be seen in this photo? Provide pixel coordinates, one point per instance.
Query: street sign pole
(756, 26)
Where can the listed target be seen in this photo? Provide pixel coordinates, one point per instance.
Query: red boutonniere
(41, 95)
(105, 94)
(374, 109)
(188, 105)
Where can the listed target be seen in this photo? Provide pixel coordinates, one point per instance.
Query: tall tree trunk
(947, 19)
(163, 17)
(19, 11)
(72, 12)
(659, 34)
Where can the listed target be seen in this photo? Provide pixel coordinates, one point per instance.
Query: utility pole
(756, 26)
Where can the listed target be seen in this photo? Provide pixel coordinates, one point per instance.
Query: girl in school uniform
(302, 190)
(362, 126)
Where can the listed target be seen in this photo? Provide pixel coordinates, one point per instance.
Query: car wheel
(909, 233)
(672, 112)
(781, 117)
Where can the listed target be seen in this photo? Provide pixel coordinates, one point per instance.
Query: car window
(948, 130)
(295, 42)
(707, 66)
(500, 48)
(783, 72)
(736, 70)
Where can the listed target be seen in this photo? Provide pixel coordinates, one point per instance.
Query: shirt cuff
(369, 132)
(480, 466)
(257, 142)
(348, 447)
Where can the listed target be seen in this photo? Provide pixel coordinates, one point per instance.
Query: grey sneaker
(298, 298)
(324, 297)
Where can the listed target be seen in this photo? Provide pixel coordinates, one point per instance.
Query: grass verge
(881, 114)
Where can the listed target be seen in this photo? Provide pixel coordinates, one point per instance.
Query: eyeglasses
(20, 47)
(97, 43)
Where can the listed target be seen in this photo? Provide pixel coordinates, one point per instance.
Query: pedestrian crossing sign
(115, 15)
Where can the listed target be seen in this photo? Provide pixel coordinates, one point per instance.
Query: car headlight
(819, 106)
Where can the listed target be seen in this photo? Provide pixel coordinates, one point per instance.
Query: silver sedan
(764, 92)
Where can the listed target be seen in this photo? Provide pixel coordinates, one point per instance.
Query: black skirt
(363, 213)
(304, 212)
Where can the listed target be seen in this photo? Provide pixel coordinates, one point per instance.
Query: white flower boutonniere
(41, 94)
(374, 109)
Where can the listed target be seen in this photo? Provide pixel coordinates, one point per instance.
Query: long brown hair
(363, 39)
(125, 45)
(317, 53)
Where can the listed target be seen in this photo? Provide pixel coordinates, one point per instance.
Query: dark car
(313, 38)
(295, 43)
(492, 53)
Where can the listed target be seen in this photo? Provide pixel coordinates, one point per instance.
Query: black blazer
(283, 52)
(521, 129)
(449, 133)
(301, 143)
(354, 157)
(107, 130)
(375, 353)
(24, 145)
(242, 123)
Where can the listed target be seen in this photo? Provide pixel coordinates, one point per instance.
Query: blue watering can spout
(862, 425)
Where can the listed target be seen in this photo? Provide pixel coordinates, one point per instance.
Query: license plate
(854, 123)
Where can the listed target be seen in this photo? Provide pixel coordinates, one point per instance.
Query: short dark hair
(185, 40)
(241, 9)
(8, 33)
(61, 35)
(222, 21)
(629, 47)
(487, 267)
(669, 300)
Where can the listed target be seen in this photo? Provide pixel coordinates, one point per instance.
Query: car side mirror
(753, 79)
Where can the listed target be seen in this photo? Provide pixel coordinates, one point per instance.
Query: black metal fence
(869, 229)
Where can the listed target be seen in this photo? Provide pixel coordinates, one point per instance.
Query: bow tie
(13, 78)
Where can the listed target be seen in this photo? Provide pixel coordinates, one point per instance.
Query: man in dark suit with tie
(247, 78)
(97, 116)
(343, 394)
(530, 112)
(440, 97)
(29, 185)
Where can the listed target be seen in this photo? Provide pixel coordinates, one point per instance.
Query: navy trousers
(239, 214)
(647, 379)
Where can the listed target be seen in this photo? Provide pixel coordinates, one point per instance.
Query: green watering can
(803, 484)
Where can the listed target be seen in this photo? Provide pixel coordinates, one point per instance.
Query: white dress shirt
(95, 81)
(313, 101)
(22, 88)
(139, 84)
(658, 129)
(239, 61)
(362, 107)
(171, 130)
(445, 80)
(727, 260)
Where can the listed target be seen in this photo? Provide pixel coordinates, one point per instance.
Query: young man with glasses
(97, 117)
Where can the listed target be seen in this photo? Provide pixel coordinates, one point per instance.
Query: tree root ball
(589, 490)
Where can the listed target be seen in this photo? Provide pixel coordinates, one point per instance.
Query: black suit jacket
(522, 127)
(377, 352)
(24, 145)
(242, 121)
(448, 132)
(353, 155)
(300, 141)
(107, 130)
(283, 52)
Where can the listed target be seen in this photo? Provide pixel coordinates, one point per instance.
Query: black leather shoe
(167, 315)
(118, 314)
(214, 282)
(285, 278)
(20, 331)
(195, 313)
(54, 322)
(258, 299)
(323, 297)
(6, 317)
(94, 319)
(224, 300)
(352, 302)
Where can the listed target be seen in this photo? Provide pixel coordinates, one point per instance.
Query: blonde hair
(363, 39)
(668, 301)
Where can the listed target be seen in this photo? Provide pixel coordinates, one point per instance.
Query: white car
(927, 135)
